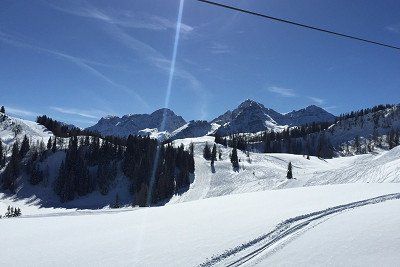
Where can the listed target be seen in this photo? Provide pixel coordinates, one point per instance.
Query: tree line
(303, 140)
(155, 171)
(60, 129)
(362, 112)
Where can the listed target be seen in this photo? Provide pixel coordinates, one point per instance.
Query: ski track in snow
(255, 250)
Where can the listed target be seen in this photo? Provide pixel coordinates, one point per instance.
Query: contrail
(167, 97)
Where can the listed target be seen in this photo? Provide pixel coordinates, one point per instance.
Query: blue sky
(79, 60)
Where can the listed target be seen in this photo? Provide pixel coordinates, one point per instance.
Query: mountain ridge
(248, 116)
(134, 123)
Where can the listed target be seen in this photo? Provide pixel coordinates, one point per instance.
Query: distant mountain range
(249, 117)
(145, 124)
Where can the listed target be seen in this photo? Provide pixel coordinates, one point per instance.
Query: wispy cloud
(154, 58)
(21, 112)
(330, 107)
(284, 92)
(317, 100)
(91, 114)
(114, 22)
(218, 48)
(395, 28)
(80, 62)
(124, 18)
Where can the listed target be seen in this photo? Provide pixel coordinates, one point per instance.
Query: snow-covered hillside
(12, 129)
(216, 231)
(257, 172)
(268, 171)
(336, 200)
(194, 129)
(368, 126)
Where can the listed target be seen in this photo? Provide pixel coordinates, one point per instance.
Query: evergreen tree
(214, 154)
(2, 110)
(2, 155)
(289, 174)
(24, 147)
(17, 212)
(49, 144)
(73, 177)
(36, 175)
(54, 146)
(12, 171)
(191, 148)
(191, 161)
(8, 213)
(116, 202)
(141, 196)
(357, 144)
(41, 147)
(103, 181)
(234, 159)
(12, 212)
(207, 152)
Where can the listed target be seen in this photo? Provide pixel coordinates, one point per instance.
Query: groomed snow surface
(199, 232)
(343, 211)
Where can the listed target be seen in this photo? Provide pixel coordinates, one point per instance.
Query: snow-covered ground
(366, 236)
(268, 171)
(207, 231)
(341, 211)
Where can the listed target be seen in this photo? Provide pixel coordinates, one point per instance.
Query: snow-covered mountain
(308, 115)
(251, 116)
(132, 124)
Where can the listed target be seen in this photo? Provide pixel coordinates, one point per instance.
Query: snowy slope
(12, 129)
(186, 234)
(194, 129)
(43, 195)
(154, 134)
(362, 237)
(327, 198)
(380, 123)
(268, 171)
